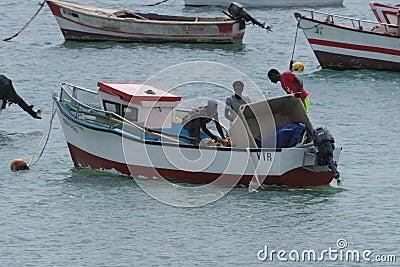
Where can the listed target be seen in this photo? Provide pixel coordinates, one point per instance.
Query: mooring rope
(295, 41)
(158, 3)
(46, 131)
(26, 25)
(251, 185)
(294, 47)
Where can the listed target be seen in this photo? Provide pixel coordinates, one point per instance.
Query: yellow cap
(298, 66)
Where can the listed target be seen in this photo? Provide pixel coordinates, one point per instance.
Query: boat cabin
(141, 103)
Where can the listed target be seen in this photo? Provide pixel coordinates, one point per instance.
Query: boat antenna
(27, 24)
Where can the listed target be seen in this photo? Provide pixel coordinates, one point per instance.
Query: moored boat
(265, 3)
(90, 23)
(351, 43)
(136, 129)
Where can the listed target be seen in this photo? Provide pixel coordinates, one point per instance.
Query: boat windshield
(85, 104)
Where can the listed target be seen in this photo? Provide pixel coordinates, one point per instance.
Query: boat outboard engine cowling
(238, 12)
(325, 143)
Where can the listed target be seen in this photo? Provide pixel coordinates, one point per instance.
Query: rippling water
(57, 215)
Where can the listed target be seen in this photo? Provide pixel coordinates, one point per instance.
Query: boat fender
(18, 165)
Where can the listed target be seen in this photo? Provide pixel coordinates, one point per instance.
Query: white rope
(46, 131)
(27, 24)
(251, 187)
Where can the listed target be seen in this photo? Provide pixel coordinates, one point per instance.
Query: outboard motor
(238, 12)
(324, 142)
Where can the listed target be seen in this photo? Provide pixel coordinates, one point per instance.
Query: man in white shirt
(234, 102)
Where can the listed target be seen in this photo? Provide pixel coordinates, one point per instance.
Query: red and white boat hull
(92, 25)
(341, 47)
(102, 149)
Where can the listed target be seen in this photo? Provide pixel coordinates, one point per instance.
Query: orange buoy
(18, 165)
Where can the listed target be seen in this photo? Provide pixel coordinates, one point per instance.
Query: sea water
(56, 215)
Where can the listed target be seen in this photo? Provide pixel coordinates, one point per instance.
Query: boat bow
(342, 43)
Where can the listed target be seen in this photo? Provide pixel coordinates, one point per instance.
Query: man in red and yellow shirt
(291, 84)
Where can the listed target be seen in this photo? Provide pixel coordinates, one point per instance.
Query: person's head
(274, 75)
(238, 87)
(212, 107)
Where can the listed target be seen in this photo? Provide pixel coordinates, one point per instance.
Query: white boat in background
(90, 23)
(135, 129)
(265, 3)
(389, 14)
(343, 43)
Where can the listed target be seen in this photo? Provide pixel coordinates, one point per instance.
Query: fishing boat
(265, 3)
(136, 129)
(389, 14)
(343, 43)
(90, 23)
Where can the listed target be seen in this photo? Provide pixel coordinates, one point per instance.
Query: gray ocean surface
(56, 215)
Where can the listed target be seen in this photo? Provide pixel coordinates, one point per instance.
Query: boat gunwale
(93, 13)
(345, 27)
(336, 3)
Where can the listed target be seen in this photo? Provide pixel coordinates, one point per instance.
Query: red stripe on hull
(355, 47)
(54, 9)
(345, 62)
(225, 28)
(295, 178)
(84, 36)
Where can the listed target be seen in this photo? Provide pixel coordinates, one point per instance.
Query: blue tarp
(285, 135)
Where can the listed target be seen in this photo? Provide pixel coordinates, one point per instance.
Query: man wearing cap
(198, 118)
(234, 102)
(291, 84)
